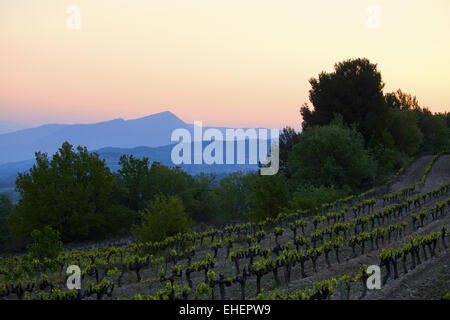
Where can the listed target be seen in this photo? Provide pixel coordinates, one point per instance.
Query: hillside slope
(429, 280)
(439, 174)
(412, 174)
(383, 221)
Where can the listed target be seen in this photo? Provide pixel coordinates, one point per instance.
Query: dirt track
(439, 174)
(412, 174)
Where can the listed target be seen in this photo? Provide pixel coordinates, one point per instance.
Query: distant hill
(8, 126)
(144, 137)
(151, 131)
(163, 155)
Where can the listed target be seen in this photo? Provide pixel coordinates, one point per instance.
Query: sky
(237, 63)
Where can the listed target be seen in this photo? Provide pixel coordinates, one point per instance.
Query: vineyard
(317, 254)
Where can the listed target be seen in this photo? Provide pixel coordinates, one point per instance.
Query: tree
(435, 132)
(402, 125)
(5, 210)
(198, 197)
(288, 138)
(71, 193)
(139, 183)
(269, 195)
(433, 127)
(401, 100)
(445, 118)
(163, 217)
(194, 191)
(168, 181)
(230, 196)
(386, 156)
(331, 155)
(354, 90)
(134, 181)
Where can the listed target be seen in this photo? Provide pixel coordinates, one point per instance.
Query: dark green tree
(168, 181)
(198, 197)
(402, 125)
(71, 193)
(5, 210)
(332, 155)
(230, 196)
(354, 90)
(134, 182)
(387, 157)
(288, 138)
(268, 197)
(433, 127)
(435, 132)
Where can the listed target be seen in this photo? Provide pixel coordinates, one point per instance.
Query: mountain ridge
(151, 131)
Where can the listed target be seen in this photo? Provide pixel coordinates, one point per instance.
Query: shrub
(163, 217)
(311, 197)
(46, 244)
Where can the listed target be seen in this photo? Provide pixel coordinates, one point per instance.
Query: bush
(311, 197)
(163, 217)
(46, 244)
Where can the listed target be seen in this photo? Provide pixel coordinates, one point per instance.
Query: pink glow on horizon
(227, 63)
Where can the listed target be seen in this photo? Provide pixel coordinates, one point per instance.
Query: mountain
(144, 137)
(163, 155)
(8, 126)
(152, 131)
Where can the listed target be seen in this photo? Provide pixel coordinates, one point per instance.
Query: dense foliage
(5, 210)
(70, 193)
(163, 217)
(355, 91)
(46, 244)
(331, 155)
(394, 126)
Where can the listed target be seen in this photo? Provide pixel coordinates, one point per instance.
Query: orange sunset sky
(241, 63)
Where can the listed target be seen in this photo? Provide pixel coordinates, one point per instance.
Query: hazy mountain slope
(151, 131)
(8, 126)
